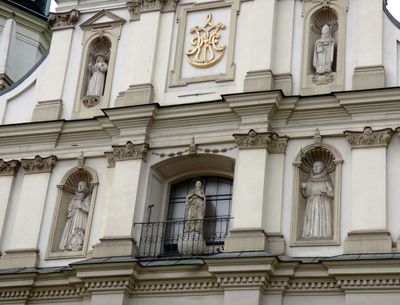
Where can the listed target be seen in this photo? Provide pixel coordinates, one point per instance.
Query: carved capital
(9, 168)
(110, 159)
(269, 140)
(136, 7)
(129, 151)
(64, 20)
(39, 164)
(369, 137)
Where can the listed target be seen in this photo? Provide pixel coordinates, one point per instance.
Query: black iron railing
(182, 237)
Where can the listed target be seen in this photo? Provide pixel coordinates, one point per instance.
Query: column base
(258, 80)
(136, 95)
(240, 240)
(264, 80)
(115, 246)
(368, 242)
(21, 258)
(369, 77)
(47, 111)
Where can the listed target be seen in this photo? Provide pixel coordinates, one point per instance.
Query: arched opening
(181, 225)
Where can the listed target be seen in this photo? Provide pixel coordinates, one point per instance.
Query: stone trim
(129, 151)
(39, 164)
(269, 140)
(64, 20)
(369, 137)
(137, 7)
(91, 23)
(9, 168)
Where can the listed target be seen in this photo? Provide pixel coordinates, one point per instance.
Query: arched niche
(73, 213)
(316, 16)
(168, 174)
(101, 34)
(316, 196)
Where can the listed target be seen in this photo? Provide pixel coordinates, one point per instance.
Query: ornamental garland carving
(39, 164)
(136, 7)
(269, 140)
(130, 151)
(369, 137)
(9, 168)
(64, 20)
(206, 51)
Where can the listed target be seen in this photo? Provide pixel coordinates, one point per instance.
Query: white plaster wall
(391, 38)
(292, 150)
(351, 44)
(297, 46)
(365, 298)
(313, 299)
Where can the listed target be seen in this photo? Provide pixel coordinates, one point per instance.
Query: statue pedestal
(191, 244)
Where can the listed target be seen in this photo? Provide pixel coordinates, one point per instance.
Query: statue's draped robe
(323, 55)
(75, 227)
(96, 82)
(195, 209)
(319, 193)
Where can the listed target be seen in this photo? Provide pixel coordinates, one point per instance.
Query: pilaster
(251, 200)
(369, 71)
(8, 170)
(22, 250)
(51, 80)
(118, 239)
(368, 223)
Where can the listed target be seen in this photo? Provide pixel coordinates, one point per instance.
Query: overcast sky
(393, 6)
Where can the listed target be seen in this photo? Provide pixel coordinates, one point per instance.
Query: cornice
(269, 140)
(369, 138)
(9, 168)
(38, 164)
(63, 20)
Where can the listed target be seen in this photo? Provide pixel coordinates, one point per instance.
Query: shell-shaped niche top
(318, 154)
(76, 175)
(325, 15)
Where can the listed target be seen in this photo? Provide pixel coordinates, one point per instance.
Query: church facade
(205, 152)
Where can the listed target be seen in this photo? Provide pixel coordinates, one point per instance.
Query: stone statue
(318, 192)
(195, 209)
(77, 215)
(323, 57)
(98, 76)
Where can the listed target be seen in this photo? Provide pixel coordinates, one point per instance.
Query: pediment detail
(103, 19)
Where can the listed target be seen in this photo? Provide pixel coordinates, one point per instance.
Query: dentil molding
(269, 140)
(369, 137)
(39, 164)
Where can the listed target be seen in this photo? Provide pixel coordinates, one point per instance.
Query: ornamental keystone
(9, 168)
(130, 151)
(369, 137)
(39, 164)
(269, 140)
(64, 20)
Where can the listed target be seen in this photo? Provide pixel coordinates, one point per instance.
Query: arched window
(171, 237)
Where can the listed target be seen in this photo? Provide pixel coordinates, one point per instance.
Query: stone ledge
(369, 77)
(115, 246)
(19, 258)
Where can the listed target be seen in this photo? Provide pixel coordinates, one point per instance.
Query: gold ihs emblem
(206, 51)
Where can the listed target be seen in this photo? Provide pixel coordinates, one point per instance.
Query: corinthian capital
(39, 164)
(9, 168)
(369, 137)
(136, 7)
(269, 140)
(64, 20)
(130, 151)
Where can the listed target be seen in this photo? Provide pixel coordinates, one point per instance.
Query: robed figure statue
(195, 209)
(98, 76)
(73, 235)
(324, 50)
(318, 192)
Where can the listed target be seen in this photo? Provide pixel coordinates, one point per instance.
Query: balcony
(173, 238)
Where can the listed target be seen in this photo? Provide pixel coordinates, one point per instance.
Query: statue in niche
(323, 57)
(195, 209)
(98, 76)
(77, 215)
(319, 193)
